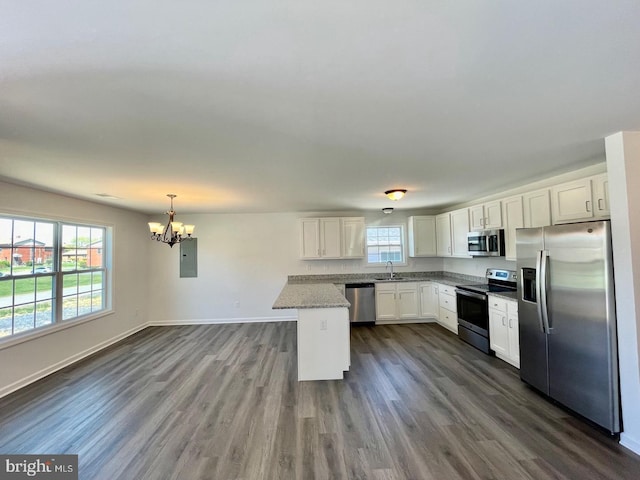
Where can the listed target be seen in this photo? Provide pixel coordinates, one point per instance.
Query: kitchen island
(323, 329)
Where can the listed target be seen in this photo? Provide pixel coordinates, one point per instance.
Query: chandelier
(172, 232)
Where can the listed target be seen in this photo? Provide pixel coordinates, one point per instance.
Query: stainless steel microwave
(486, 243)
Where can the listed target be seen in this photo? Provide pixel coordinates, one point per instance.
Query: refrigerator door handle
(544, 261)
(539, 290)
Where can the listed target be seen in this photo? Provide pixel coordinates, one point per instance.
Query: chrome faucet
(389, 264)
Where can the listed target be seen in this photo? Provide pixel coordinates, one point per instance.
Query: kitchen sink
(394, 279)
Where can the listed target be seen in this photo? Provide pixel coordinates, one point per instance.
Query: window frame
(57, 275)
(403, 245)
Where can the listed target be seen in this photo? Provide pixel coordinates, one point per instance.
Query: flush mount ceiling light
(387, 210)
(173, 232)
(395, 194)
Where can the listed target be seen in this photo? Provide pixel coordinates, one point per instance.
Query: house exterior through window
(50, 272)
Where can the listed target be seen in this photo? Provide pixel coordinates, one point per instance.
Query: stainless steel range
(473, 306)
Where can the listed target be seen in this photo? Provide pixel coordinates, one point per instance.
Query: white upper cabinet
(323, 238)
(443, 235)
(330, 237)
(572, 201)
(537, 208)
(352, 237)
(459, 230)
(422, 236)
(310, 238)
(476, 217)
(583, 199)
(486, 216)
(513, 215)
(600, 186)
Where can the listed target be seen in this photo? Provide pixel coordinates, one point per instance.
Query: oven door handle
(467, 293)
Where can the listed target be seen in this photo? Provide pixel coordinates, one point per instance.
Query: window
(50, 272)
(385, 244)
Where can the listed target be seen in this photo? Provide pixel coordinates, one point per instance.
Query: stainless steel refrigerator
(566, 312)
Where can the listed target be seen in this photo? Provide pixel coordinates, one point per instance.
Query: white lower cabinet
(396, 301)
(428, 292)
(503, 329)
(447, 311)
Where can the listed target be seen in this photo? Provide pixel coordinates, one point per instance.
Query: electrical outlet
(323, 324)
(236, 304)
(308, 268)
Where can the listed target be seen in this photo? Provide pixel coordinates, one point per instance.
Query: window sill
(30, 335)
(378, 265)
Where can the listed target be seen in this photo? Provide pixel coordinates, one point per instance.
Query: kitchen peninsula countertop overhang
(310, 295)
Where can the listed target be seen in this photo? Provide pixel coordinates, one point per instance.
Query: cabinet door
(428, 300)
(386, 302)
(476, 218)
(499, 332)
(422, 236)
(407, 302)
(601, 195)
(513, 218)
(571, 201)
(330, 237)
(493, 215)
(513, 334)
(537, 208)
(352, 237)
(459, 230)
(310, 238)
(443, 235)
(448, 319)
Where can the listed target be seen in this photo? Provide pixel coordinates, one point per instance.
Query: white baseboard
(23, 382)
(632, 444)
(401, 322)
(212, 321)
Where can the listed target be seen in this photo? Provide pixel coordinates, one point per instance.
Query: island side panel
(323, 343)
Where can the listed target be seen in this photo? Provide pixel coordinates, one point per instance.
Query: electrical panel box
(189, 258)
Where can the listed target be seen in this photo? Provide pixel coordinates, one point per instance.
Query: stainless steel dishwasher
(362, 297)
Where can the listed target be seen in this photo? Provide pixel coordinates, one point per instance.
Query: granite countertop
(310, 295)
(506, 295)
(446, 278)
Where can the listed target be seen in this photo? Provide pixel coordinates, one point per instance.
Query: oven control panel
(504, 275)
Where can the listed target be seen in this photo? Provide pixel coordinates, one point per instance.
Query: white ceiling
(299, 105)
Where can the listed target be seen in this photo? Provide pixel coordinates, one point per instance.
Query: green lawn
(27, 285)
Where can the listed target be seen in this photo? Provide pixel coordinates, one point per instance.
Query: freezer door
(533, 340)
(582, 347)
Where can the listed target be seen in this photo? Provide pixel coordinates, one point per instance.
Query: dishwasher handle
(359, 285)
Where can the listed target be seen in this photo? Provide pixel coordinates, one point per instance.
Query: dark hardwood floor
(222, 402)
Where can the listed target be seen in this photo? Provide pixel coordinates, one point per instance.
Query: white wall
(27, 361)
(243, 263)
(623, 162)
(477, 266)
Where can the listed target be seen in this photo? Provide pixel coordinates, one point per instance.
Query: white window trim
(28, 335)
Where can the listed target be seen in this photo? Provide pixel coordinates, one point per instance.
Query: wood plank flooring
(222, 402)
